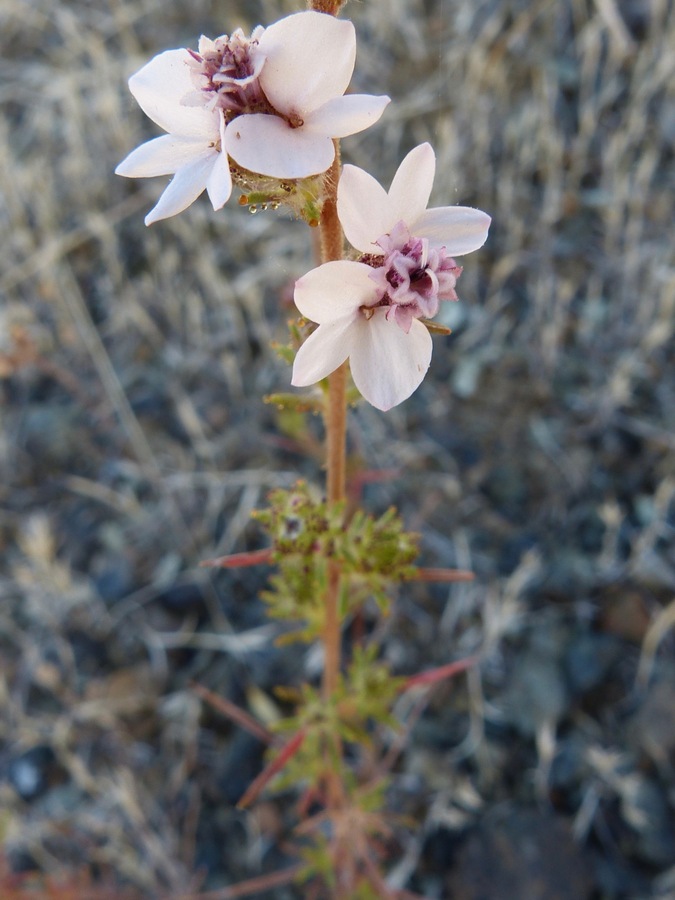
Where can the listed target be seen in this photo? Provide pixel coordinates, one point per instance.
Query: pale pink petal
(363, 209)
(219, 182)
(323, 352)
(460, 229)
(334, 290)
(310, 59)
(186, 185)
(205, 44)
(387, 364)
(269, 146)
(160, 87)
(411, 188)
(343, 116)
(161, 156)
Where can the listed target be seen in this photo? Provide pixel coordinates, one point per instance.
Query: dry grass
(539, 451)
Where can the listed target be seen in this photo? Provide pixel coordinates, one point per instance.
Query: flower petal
(411, 188)
(343, 116)
(269, 146)
(310, 59)
(161, 156)
(159, 88)
(334, 290)
(460, 229)
(219, 182)
(363, 209)
(184, 188)
(323, 352)
(387, 364)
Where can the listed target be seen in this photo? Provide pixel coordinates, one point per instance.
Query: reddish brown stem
(332, 7)
(252, 886)
(332, 242)
(235, 713)
(432, 676)
(260, 783)
(442, 575)
(239, 560)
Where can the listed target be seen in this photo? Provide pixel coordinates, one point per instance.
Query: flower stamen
(412, 277)
(225, 73)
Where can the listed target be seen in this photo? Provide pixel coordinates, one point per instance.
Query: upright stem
(332, 7)
(331, 249)
(336, 427)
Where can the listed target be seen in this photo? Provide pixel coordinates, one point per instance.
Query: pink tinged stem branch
(235, 714)
(239, 560)
(251, 886)
(442, 575)
(432, 676)
(260, 783)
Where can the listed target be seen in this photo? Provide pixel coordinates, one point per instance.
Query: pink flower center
(225, 73)
(411, 277)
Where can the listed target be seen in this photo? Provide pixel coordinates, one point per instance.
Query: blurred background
(538, 453)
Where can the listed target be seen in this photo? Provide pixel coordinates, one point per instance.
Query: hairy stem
(336, 422)
(332, 7)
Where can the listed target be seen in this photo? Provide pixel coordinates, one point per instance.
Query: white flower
(273, 103)
(309, 60)
(369, 310)
(191, 151)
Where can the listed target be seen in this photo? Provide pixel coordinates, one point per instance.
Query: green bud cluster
(374, 554)
(302, 196)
